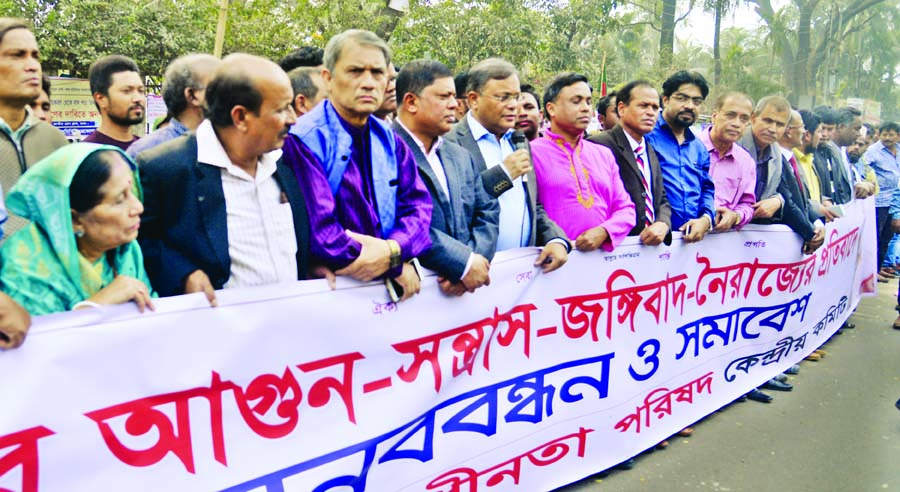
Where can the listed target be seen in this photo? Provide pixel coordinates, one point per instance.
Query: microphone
(520, 142)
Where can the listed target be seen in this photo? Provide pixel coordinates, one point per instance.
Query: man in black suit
(220, 208)
(638, 108)
(464, 220)
(486, 132)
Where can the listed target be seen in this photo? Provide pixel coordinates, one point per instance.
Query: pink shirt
(735, 177)
(580, 188)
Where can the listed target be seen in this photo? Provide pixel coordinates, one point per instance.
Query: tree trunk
(667, 33)
(717, 55)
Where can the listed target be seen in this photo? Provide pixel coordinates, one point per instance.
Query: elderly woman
(79, 250)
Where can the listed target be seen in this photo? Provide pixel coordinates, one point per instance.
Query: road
(838, 430)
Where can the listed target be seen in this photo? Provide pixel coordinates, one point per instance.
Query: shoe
(881, 279)
(686, 432)
(793, 370)
(776, 385)
(887, 273)
(821, 353)
(848, 326)
(757, 395)
(814, 357)
(625, 465)
(897, 404)
(890, 271)
(896, 324)
(781, 378)
(662, 444)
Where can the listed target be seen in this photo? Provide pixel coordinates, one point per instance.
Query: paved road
(837, 431)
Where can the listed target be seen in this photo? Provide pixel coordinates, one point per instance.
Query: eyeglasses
(505, 98)
(683, 98)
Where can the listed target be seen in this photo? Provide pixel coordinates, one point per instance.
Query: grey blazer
(496, 182)
(465, 222)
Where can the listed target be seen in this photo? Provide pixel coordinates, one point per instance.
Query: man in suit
(486, 132)
(638, 108)
(778, 196)
(464, 220)
(220, 208)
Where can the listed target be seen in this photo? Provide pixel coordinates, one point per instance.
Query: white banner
(529, 384)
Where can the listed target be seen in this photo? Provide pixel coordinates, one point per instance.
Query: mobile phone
(395, 290)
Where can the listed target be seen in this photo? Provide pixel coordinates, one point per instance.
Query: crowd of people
(338, 162)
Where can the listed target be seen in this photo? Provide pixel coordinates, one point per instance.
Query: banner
(529, 384)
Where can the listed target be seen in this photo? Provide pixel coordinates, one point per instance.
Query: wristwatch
(396, 260)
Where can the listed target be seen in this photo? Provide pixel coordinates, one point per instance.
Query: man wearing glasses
(486, 132)
(683, 158)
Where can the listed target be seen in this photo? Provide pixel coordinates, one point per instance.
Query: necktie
(648, 199)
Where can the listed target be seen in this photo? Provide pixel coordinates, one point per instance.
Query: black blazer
(496, 182)
(616, 141)
(184, 226)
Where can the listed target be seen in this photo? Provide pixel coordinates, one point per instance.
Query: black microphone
(520, 142)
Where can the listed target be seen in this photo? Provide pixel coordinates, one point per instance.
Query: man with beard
(778, 195)
(731, 167)
(589, 203)
(638, 108)
(797, 147)
(369, 210)
(683, 158)
(464, 220)
(389, 105)
(220, 208)
(118, 92)
(529, 117)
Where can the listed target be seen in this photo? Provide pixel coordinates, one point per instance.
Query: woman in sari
(79, 250)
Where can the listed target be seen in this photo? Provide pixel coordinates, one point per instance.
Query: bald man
(220, 208)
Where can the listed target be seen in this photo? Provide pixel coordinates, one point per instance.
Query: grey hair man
(309, 88)
(184, 92)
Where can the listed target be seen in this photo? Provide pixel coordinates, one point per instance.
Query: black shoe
(793, 370)
(897, 404)
(848, 326)
(776, 385)
(625, 465)
(757, 395)
(781, 378)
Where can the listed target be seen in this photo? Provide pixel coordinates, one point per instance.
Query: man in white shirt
(220, 208)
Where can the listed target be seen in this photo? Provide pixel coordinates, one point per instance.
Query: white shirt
(261, 238)
(515, 218)
(645, 170)
(434, 161)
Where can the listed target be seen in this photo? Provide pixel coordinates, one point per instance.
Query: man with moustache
(464, 219)
(683, 158)
(40, 107)
(486, 132)
(731, 167)
(884, 157)
(778, 195)
(27, 138)
(638, 108)
(221, 210)
(528, 116)
(118, 92)
(369, 210)
(583, 192)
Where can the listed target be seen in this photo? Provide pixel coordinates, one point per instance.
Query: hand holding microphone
(519, 162)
